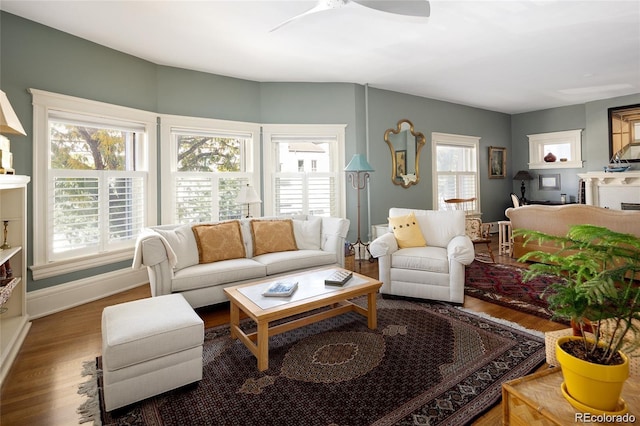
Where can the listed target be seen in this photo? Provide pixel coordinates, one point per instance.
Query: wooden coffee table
(311, 294)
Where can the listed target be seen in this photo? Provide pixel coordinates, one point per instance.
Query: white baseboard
(64, 296)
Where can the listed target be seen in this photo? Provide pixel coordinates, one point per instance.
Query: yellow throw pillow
(407, 231)
(219, 241)
(270, 236)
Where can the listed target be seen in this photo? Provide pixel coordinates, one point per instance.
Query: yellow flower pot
(592, 385)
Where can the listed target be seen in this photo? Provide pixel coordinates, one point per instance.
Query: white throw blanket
(138, 261)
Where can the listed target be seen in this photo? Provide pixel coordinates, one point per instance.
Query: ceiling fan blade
(420, 8)
(321, 6)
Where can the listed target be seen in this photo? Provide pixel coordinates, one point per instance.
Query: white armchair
(435, 271)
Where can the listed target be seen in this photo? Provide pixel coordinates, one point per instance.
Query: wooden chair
(477, 231)
(515, 200)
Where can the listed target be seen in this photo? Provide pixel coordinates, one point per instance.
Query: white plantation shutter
(197, 198)
(94, 211)
(305, 194)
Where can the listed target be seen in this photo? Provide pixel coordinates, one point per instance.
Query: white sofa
(170, 254)
(435, 271)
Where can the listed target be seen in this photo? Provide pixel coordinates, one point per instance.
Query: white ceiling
(507, 56)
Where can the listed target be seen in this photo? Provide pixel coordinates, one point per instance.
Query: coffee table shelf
(310, 295)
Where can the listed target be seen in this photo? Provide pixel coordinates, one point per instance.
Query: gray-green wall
(592, 117)
(32, 55)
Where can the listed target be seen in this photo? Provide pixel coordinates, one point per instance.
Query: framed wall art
(497, 162)
(549, 182)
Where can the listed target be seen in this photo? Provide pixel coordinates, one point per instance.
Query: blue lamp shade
(358, 164)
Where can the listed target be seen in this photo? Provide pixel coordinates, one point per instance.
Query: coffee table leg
(372, 311)
(234, 318)
(263, 346)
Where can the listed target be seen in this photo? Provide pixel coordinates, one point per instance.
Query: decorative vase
(589, 386)
(550, 158)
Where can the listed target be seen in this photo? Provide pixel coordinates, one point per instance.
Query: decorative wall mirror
(405, 145)
(624, 134)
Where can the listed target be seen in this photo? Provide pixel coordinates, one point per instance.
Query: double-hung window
(304, 170)
(208, 162)
(91, 180)
(455, 164)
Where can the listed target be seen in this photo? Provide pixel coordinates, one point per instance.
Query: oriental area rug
(503, 285)
(425, 364)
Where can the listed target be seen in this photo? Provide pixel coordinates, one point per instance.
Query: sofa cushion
(183, 243)
(272, 236)
(307, 233)
(433, 259)
(277, 263)
(219, 241)
(216, 273)
(407, 231)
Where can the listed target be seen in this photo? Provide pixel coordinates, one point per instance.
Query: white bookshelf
(14, 320)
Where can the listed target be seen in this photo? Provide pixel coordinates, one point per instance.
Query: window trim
(537, 149)
(269, 131)
(459, 140)
(169, 162)
(44, 101)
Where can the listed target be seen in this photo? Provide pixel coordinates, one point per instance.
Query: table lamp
(248, 195)
(523, 175)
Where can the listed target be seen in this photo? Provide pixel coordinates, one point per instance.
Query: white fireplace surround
(610, 190)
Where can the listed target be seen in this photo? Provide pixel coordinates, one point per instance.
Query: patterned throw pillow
(219, 241)
(407, 231)
(271, 236)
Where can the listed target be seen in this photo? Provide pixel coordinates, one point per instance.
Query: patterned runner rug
(502, 284)
(426, 364)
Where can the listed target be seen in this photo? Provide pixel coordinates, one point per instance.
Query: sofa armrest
(333, 234)
(152, 248)
(154, 252)
(461, 250)
(384, 245)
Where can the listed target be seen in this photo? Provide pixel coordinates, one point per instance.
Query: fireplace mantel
(611, 189)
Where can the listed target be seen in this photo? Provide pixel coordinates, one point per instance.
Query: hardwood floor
(41, 388)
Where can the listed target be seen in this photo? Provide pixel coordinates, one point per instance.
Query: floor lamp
(358, 173)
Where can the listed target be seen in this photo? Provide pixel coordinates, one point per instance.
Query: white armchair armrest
(461, 249)
(383, 245)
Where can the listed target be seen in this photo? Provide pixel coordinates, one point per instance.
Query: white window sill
(557, 165)
(53, 269)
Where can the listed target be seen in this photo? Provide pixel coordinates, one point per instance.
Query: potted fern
(601, 269)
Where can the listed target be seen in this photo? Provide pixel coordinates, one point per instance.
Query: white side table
(504, 236)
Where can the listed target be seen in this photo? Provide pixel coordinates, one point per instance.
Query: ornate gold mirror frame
(405, 153)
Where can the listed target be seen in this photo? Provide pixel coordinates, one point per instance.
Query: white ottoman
(149, 346)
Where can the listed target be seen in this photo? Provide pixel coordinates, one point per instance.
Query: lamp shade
(248, 195)
(523, 175)
(358, 164)
(9, 122)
